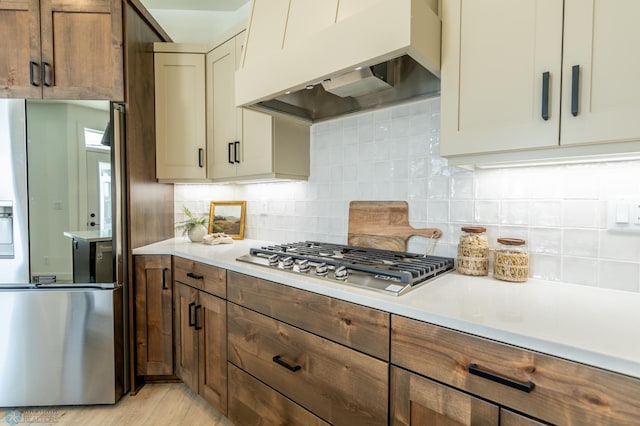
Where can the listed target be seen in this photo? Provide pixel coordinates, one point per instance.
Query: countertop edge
(393, 305)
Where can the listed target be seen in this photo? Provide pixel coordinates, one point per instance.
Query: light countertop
(95, 235)
(594, 326)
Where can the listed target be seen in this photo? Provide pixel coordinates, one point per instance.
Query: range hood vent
(338, 59)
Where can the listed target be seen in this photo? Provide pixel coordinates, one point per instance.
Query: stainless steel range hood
(320, 60)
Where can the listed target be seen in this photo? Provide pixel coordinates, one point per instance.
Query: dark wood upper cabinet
(61, 49)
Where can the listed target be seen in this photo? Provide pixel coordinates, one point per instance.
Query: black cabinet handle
(200, 157)
(236, 145)
(524, 387)
(196, 322)
(32, 73)
(231, 161)
(286, 365)
(545, 95)
(194, 276)
(164, 279)
(575, 89)
(192, 322)
(45, 80)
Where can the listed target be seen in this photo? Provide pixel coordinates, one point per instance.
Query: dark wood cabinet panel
(561, 392)
(251, 402)
(359, 327)
(186, 337)
(20, 68)
(204, 277)
(338, 384)
(154, 326)
(416, 400)
(212, 350)
(201, 343)
(62, 49)
(82, 49)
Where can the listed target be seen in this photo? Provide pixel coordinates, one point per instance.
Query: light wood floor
(154, 405)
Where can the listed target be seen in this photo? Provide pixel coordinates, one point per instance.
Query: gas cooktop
(386, 271)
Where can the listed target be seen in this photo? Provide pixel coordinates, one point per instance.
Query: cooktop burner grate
(383, 270)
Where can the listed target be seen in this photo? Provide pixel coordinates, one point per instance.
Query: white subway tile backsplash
(487, 212)
(580, 242)
(514, 213)
(545, 213)
(577, 270)
(581, 213)
(393, 154)
(619, 275)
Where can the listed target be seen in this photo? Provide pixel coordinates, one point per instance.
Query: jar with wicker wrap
(511, 261)
(473, 251)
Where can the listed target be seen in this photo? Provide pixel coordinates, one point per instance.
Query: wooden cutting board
(383, 225)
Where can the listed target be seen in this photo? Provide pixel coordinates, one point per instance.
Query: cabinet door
(224, 120)
(20, 72)
(601, 38)
(180, 116)
(154, 326)
(186, 340)
(494, 54)
(416, 400)
(257, 144)
(212, 350)
(82, 49)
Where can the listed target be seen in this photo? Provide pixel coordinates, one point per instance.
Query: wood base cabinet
(201, 342)
(61, 49)
(153, 288)
(547, 388)
(306, 356)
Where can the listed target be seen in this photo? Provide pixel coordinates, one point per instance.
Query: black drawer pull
(164, 279)
(524, 387)
(575, 90)
(192, 321)
(195, 277)
(231, 161)
(545, 95)
(46, 81)
(32, 73)
(200, 157)
(277, 360)
(198, 307)
(236, 144)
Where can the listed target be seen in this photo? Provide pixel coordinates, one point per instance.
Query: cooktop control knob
(341, 273)
(322, 269)
(287, 262)
(273, 260)
(303, 265)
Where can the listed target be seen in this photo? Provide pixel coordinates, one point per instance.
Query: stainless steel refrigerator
(60, 343)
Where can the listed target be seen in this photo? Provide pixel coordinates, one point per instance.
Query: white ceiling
(197, 21)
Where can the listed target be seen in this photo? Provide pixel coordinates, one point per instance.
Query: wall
(392, 154)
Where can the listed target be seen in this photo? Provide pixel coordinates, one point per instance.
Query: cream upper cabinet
(180, 116)
(601, 40)
(224, 120)
(525, 76)
(245, 144)
(495, 58)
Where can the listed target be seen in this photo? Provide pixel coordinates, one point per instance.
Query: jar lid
(511, 241)
(473, 229)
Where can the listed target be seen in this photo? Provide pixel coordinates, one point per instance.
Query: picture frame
(227, 217)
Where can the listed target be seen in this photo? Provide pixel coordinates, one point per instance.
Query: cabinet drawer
(251, 402)
(563, 392)
(416, 400)
(338, 384)
(356, 326)
(201, 276)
